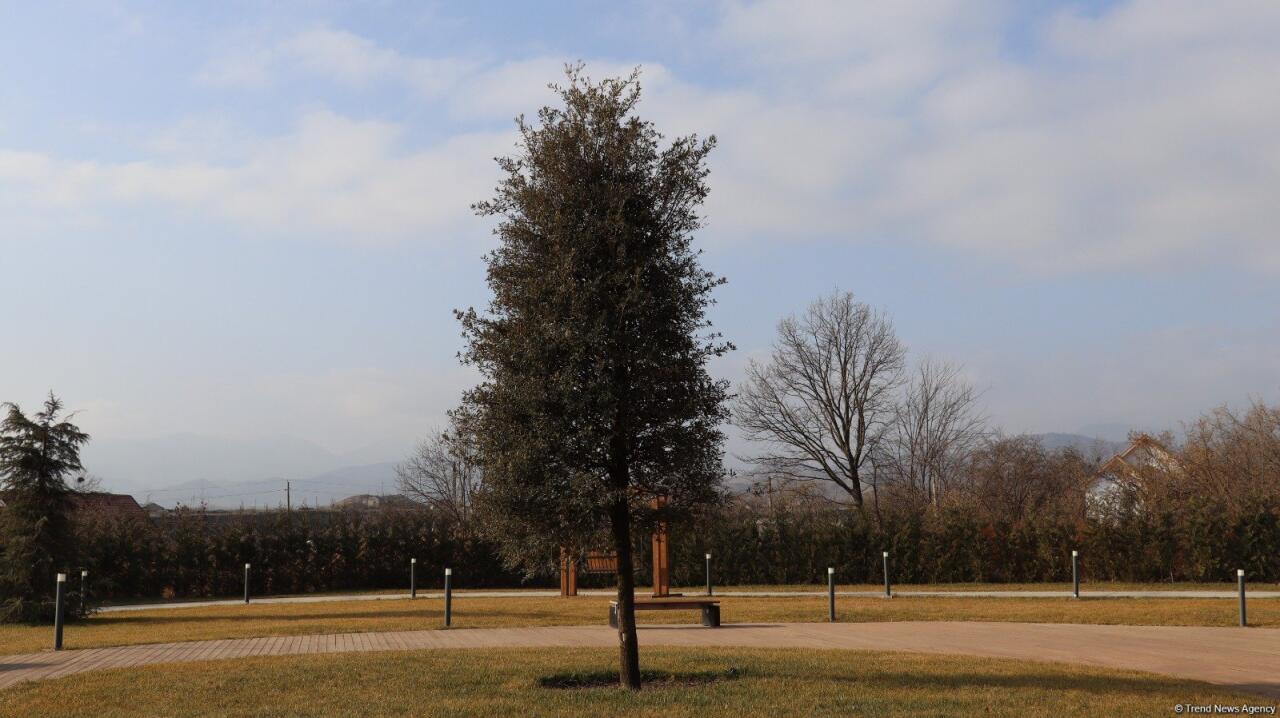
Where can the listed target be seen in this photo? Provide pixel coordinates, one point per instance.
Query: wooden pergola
(602, 562)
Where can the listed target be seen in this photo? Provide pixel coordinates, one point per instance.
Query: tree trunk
(628, 648)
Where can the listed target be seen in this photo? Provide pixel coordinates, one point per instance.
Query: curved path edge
(1241, 659)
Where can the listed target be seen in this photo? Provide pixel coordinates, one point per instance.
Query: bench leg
(613, 616)
(711, 616)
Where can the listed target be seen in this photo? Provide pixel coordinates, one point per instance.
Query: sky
(251, 220)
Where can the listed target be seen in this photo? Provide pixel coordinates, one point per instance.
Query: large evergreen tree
(596, 398)
(37, 454)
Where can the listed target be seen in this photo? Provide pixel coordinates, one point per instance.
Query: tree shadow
(1045, 679)
(699, 626)
(19, 666)
(284, 618)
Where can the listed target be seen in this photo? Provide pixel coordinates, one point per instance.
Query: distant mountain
(1089, 446)
(318, 490)
(185, 467)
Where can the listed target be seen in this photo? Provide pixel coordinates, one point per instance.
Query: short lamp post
(59, 613)
(888, 592)
(1244, 621)
(448, 597)
(831, 594)
(1075, 574)
(708, 574)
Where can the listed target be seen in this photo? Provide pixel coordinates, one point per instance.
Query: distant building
(370, 502)
(102, 503)
(1119, 479)
(98, 502)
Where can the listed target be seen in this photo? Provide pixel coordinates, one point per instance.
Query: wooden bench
(710, 608)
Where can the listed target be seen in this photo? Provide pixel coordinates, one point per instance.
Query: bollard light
(246, 583)
(448, 597)
(708, 573)
(831, 593)
(1244, 621)
(413, 578)
(58, 613)
(84, 590)
(888, 593)
(1075, 574)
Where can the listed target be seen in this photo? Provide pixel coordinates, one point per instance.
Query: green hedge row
(1198, 542)
(194, 556)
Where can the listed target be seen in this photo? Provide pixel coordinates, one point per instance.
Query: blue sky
(251, 220)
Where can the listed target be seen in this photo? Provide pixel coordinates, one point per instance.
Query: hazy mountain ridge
(318, 490)
(225, 472)
(1091, 447)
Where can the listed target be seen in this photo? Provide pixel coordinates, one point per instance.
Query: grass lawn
(492, 682)
(240, 621)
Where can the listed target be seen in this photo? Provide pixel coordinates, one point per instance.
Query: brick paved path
(1245, 659)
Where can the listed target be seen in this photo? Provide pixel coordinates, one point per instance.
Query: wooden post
(568, 574)
(661, 557)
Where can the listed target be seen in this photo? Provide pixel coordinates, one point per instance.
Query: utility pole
(288, 499)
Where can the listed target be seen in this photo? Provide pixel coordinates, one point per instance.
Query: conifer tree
(37, 454)
(596, 397)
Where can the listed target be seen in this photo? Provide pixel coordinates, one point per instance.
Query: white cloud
(331, 54)
(1147, 132)
(332, 174)
(1163, 145)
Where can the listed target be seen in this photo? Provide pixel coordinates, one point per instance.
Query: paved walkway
(1243, 659)
(760, 594)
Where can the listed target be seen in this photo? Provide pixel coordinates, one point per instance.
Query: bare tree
(442, 473)
(825, 398)
(1013, 478)
(935, 427)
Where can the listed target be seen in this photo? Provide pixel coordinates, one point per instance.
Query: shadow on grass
(650, 678)
(1031, 678)
(247, 617)
(700, 627)
(19, 666)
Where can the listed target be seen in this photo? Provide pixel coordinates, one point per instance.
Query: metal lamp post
(831, 594)
(888, 593)
(1075, 574)
(60, 598)
(708, 574)
(1244, 621)
(448, 597)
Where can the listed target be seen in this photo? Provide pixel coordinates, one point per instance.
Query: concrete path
(1243, 659)
(747, 594)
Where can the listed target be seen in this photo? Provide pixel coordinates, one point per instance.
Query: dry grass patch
(493, 682)
(258, 619)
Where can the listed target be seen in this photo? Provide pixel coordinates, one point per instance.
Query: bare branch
(824, 400)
